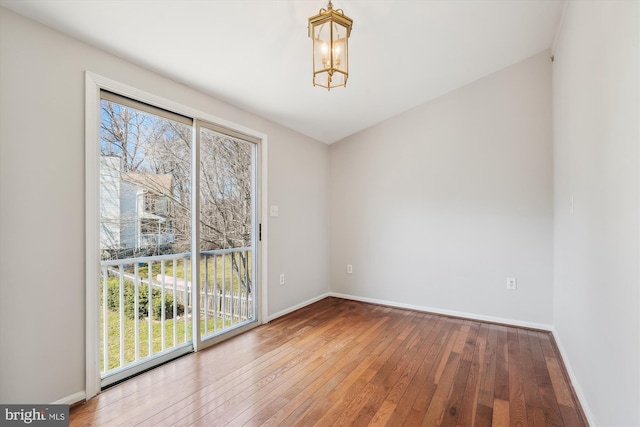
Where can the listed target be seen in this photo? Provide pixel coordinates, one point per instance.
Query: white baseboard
(470, 316)
(296, 307)
(70, 400)
(574, 380)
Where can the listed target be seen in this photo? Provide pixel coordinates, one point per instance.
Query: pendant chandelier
(330, 30)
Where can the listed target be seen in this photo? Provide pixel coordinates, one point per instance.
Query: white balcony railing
(146, 303)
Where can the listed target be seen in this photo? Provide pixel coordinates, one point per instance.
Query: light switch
(274, 211)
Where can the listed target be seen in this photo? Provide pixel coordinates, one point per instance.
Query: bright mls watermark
(36, 415)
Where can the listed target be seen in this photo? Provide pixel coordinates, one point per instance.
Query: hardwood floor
(340, 362)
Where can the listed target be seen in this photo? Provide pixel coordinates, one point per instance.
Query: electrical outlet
(511, 283)
(349, 268)
(281, 279)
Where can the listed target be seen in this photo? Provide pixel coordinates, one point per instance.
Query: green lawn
(222, 265)
(143, 333)
(157, 326)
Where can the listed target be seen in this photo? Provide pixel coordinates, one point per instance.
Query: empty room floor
(341, 362)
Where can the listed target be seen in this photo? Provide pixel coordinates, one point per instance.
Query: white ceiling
(256, 54)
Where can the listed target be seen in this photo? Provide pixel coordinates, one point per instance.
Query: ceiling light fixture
(330, 30)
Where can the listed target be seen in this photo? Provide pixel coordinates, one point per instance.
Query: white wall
(42, 245)
(596, 276)
(298, 235)
(437, 206)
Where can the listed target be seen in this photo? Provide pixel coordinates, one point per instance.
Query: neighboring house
(134, 209)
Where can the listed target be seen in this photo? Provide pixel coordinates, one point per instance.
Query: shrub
(113, 300)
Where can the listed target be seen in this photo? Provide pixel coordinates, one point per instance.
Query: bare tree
(155, 154)
(225, 197)
(122, 134)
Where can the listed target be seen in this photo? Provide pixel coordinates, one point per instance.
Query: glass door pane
(227, 231)
(145, 236)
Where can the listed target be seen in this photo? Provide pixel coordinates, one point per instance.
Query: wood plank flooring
(340, 362)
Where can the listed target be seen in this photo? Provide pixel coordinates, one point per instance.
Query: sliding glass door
(170, 184)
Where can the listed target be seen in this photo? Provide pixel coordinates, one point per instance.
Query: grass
(143, 333)
(211, 269)
(114, 341)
